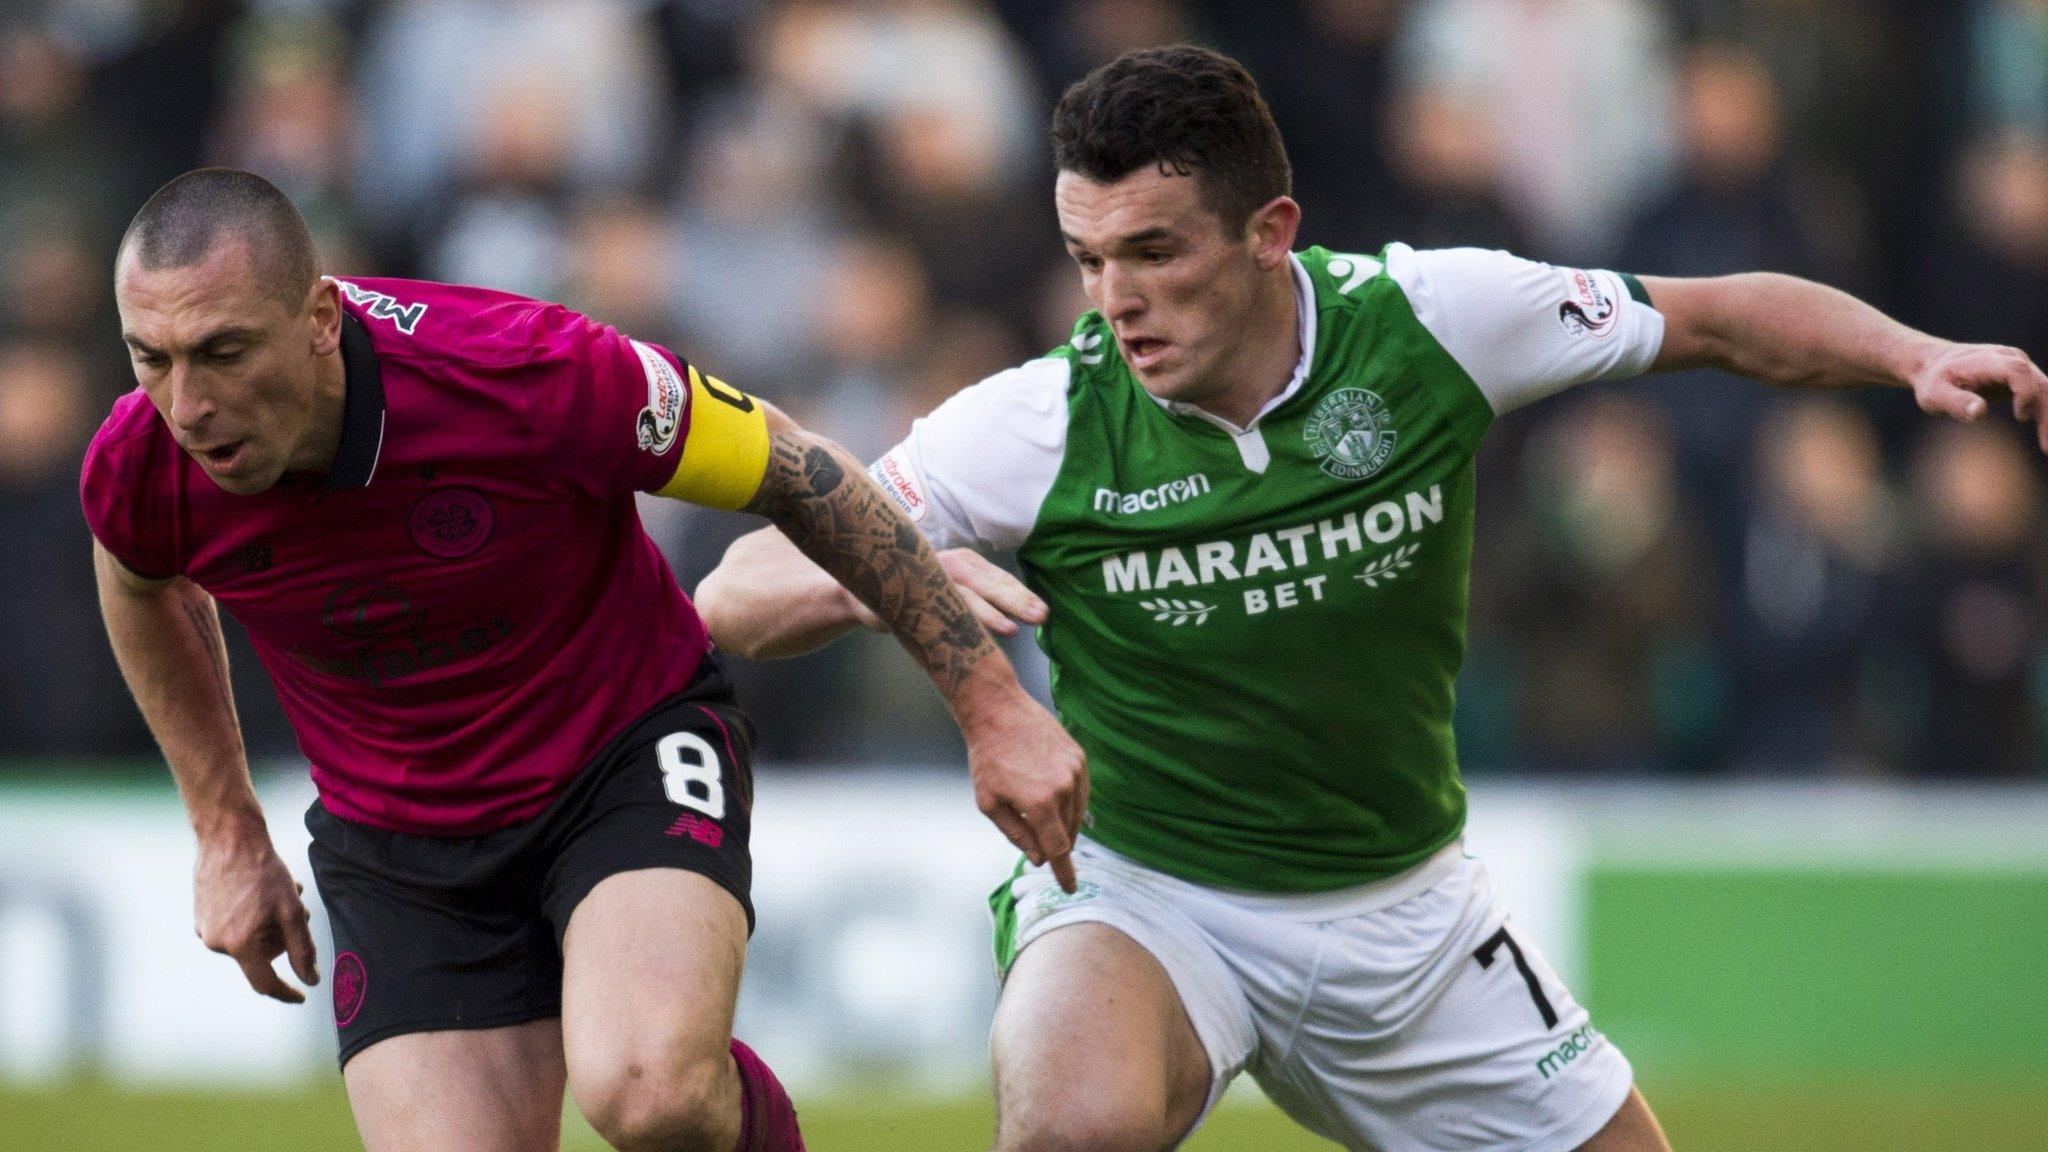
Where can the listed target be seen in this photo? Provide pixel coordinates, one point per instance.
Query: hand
(246, 905)
(999, 600)
(1031, 780)
(1950, 380)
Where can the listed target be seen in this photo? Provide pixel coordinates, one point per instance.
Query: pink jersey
(466, 608)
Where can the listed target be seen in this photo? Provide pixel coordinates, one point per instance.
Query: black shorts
(434, 933)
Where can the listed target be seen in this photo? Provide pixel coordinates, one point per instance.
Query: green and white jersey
(1254, 631)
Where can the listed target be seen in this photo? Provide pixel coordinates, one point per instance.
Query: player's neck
(330, 394)
(1262, 365)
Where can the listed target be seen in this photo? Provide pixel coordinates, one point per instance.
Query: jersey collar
(362, 409)
(1305, 313)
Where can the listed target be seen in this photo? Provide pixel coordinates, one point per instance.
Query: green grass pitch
(1858, 1117)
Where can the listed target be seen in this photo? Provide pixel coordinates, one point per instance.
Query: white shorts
(1397, 1016)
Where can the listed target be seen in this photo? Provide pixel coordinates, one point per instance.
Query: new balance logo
(703, 831)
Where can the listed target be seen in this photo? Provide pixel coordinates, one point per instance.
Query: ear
(1271, 231)
(324, 306)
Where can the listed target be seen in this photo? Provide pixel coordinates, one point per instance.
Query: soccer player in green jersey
(1243, 497)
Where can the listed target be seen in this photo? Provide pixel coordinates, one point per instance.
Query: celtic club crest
(1350, 433)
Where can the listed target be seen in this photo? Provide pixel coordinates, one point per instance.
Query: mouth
(1145, 352)
(224, 457)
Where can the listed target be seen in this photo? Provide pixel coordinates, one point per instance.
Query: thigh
(428, 936)
(1633, 1129)
(1093, 1047)
(1436, 1026)
(674, 792)
(651, 971)
(648, 884)
(494, 1090)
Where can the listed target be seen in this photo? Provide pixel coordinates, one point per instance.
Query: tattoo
(207, 624)
(853, 531)
(822, 471)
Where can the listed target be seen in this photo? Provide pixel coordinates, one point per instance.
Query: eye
(1089, 263)
(228, 356)
(1157, 257)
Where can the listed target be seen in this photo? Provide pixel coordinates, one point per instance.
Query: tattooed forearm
(822, 471)
(206, 622)
(822, 500)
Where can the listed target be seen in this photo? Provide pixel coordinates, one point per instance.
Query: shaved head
(182, 224)
(230, 329)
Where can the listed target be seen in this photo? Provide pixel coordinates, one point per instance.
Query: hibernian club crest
(1349, 430)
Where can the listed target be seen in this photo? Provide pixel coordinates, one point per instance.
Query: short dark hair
(182, 222)
(1181, 107)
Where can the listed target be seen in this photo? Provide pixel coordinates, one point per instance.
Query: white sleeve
(1524, 330)
(976, 471)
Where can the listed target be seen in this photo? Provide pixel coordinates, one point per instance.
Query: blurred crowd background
(844, 206)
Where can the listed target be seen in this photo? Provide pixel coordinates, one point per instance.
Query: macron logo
(1152, 499)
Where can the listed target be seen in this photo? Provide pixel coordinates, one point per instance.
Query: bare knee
(656, 1105)
(1084, 1126)
(1085, 1114)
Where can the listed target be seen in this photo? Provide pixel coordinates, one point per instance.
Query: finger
(2023, 380)
(1081, 802)
(1016, 830)
(1945, 399)
(298, 944)
(991, 617)
(1063, 871)
(265, 979)
(1007, 593)
(2038, 387)
(1049, 829)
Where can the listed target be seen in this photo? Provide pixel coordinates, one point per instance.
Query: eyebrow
(218, 335)
(1148, 236)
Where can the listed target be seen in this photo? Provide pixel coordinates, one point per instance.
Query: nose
(190, 406)
(1121, 298)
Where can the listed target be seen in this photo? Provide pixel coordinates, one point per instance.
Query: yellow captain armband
(725, 454)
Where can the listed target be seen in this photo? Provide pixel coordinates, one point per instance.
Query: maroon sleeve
(621, 406)
(132, 517)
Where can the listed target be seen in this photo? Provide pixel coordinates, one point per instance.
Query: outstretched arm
(1028, 773)
(166, 637)
(767, 601)
(1794, 333)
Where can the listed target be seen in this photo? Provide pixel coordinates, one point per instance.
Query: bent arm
(766, 600)
(1029, 775)
(820, 497)
(166, 637)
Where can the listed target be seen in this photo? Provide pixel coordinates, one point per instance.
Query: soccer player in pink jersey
(534, 783)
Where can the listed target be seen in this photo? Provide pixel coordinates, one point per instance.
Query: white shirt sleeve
(1524, 330)
(975, 472)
